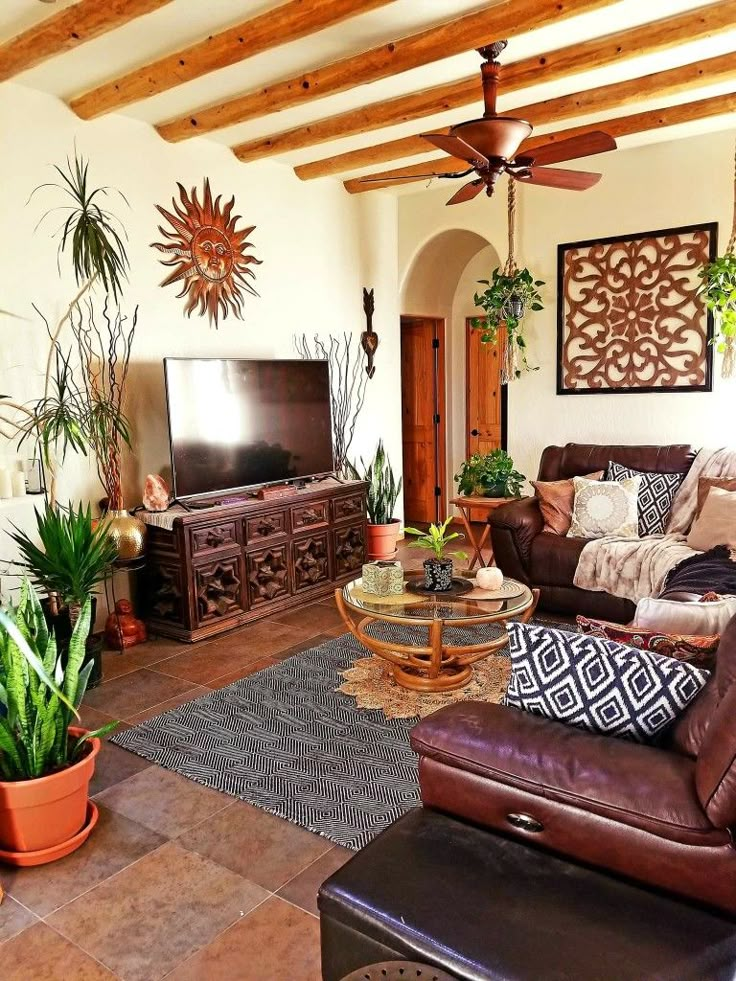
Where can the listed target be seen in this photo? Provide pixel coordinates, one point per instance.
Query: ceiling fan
(491, 144)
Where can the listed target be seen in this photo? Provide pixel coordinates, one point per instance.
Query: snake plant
(39, 695)
(383, 489)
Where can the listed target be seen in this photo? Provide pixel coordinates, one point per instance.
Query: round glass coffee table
(441, 665)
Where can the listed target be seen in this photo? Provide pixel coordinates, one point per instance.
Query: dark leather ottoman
(481, 906)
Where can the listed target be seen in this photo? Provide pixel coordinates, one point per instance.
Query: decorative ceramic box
(383, 578)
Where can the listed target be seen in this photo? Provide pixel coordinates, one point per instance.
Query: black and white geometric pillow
(596, 684)
(656, 494)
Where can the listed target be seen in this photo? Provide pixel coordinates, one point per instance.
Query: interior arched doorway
(436, 304)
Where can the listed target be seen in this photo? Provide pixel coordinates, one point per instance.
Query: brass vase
(128, 533)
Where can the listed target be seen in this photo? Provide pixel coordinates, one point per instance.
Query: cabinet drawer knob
(525, 822)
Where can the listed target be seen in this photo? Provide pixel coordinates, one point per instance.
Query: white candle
(18, 483)
(6, 484)
(489, 578)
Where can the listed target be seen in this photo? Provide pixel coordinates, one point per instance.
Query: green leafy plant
(506, 300)
(73, 557)
(718, 291)
(383, 489)
(490, 475)
(436, 540)
(39, 696)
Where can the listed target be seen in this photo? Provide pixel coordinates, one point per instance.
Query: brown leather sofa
(663, 815)
(524, 552)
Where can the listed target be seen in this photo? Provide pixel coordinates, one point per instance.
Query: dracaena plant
(383, 488)
(39, 694)
(436, 539)
(73, 556)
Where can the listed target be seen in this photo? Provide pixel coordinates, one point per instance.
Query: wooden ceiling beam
(639, 122)
(451, 38)
(67, 29)
(692, 25)
(289, 22)
(659, 85)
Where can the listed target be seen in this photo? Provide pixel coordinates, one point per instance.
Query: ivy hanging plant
(719, 295)
(508, 297)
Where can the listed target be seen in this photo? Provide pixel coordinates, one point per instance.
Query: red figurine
(122, 629)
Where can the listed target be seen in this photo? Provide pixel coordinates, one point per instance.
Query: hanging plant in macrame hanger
(719, 295)
(509, 295)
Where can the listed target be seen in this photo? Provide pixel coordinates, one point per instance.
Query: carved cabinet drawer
(268, 574)
(310, 515)
(219, 590)
(310, 560)
(349, 545)
(213, 537)
(347, 507)
(265, 527)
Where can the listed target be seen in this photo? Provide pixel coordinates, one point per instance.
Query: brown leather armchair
(524, 552)
(662, 815)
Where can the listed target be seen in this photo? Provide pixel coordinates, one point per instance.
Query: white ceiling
(183, 22)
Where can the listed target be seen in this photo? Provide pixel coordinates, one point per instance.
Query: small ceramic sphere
(490, 578)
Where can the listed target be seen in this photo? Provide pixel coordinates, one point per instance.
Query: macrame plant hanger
(728, 367)
(509, 354)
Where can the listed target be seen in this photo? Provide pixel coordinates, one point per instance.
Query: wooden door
(485, 423)
(422, 415)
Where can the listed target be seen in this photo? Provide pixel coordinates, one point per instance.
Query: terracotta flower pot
(38, 815)
(382, 540)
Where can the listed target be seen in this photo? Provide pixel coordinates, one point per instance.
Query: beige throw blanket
(636, 567)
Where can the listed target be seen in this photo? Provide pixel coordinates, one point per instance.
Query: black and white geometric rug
(286, 741)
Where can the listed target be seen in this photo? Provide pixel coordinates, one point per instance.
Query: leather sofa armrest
(514, 527)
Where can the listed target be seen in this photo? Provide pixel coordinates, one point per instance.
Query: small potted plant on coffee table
(437, 570)
(489, 475)
(46, 763)
(381, 497)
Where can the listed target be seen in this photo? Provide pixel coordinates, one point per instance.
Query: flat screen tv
(236, 424)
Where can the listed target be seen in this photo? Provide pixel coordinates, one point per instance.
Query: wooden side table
(473, 502)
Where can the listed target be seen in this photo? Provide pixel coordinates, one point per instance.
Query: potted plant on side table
(381, 497)
(72, 558)
(46, 763)
(489, 475)
(437, 570)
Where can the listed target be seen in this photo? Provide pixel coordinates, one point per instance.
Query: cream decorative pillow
(675, 616)
(716, 523)
(605, 507)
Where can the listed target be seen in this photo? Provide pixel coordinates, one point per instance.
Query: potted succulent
(46, 763)
(718, 291)
(73, 558)
(437, 570)
(489, 475)
(507, 298)
(381, 497)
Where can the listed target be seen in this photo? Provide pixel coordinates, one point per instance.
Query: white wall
(319, 247)
(652, 187)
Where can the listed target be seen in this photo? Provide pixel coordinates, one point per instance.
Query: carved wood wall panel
(311, 561)
(268, 574)
(629, 315)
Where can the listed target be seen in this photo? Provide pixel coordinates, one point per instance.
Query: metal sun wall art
(629, 315)
(208, 253)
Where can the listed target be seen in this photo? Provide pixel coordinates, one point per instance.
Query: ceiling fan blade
(414, 177)
(577, 146)
(569, 180)
(456, 147)
(467, 192)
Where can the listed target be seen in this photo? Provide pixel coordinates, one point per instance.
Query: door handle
(474, 432)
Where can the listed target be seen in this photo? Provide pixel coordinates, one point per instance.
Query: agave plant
(383, 489)
(436, 539)
(73, 557)
(39, 696)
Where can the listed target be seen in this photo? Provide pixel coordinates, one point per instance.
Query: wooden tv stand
(219, 567)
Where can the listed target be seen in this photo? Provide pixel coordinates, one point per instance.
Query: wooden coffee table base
(439, 667)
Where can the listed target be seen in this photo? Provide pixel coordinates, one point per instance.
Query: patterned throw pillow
(597, 685)
(700, 651)
(656, 494)
(605, 508)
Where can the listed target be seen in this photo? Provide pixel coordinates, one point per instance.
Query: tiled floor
(176, 881)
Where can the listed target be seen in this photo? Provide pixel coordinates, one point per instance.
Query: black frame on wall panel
(709, 226)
